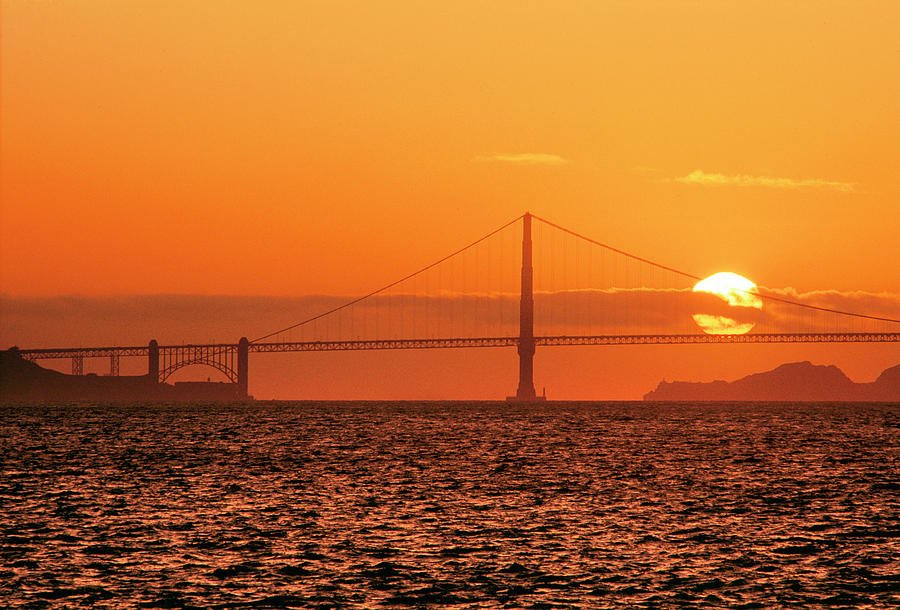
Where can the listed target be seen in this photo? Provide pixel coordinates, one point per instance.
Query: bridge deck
(460, 342)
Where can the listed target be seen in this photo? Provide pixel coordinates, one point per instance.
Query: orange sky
(292, 148)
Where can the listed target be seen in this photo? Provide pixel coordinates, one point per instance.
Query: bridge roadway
(378, 344)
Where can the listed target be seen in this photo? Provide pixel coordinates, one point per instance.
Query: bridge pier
(243, 361)
(153, 361)
(525, 392)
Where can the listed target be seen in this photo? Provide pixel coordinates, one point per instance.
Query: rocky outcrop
(798, 381)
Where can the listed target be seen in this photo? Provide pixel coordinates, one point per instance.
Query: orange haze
(294, 148)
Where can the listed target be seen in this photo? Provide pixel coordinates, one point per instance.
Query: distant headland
(797, 381)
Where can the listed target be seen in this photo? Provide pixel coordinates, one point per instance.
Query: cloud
(172, 319)
(883, 304)
(701, 178)
(523, 159)
(645, 169)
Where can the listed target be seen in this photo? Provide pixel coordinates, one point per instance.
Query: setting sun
(735, 290)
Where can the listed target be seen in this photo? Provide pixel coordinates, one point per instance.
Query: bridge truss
(221, 355)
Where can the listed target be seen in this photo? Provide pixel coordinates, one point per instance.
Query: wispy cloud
(701, 178)
(523, 159)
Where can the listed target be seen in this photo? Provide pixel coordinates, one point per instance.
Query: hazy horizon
(587, 372)
(289, 149)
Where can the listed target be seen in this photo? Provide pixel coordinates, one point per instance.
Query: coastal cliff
(797, 381)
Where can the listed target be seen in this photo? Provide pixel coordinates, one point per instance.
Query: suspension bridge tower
(525, 391)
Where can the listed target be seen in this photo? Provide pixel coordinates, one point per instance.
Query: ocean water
(464, 505)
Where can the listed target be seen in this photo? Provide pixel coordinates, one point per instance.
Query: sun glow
(735, 290)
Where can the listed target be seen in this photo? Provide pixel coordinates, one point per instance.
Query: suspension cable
(616, 250)
(695, 277)
(391, 285)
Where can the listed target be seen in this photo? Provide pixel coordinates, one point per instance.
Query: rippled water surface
(332, 505)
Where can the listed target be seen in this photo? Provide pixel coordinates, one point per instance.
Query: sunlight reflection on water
(317, 504)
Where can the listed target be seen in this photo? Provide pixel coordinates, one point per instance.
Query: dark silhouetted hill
(22, 381)
(797, 381)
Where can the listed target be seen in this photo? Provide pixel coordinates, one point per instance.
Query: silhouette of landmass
(25, 381)
(797, 381)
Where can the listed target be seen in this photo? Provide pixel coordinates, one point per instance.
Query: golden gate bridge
(814, 324)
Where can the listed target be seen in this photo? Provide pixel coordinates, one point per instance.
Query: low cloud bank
(134, 320)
